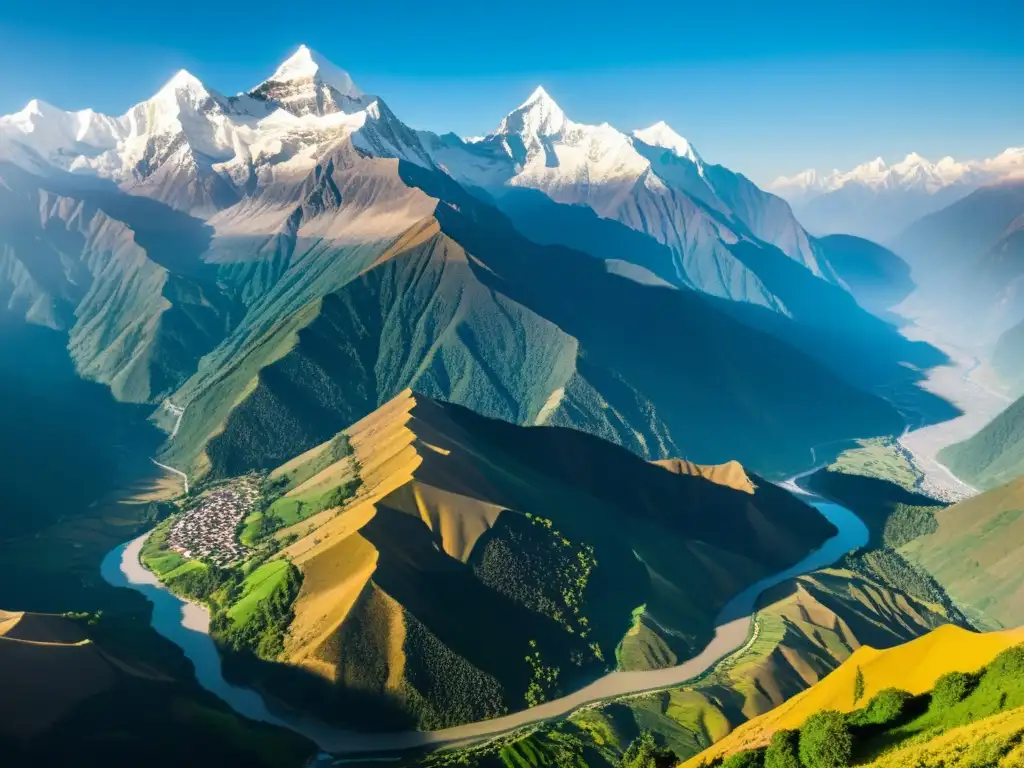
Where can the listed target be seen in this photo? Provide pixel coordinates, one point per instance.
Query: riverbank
(187, 625)
(967, 383)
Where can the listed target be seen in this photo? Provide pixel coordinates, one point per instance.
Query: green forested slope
(121, 275)
(993, 456)
(463, 308)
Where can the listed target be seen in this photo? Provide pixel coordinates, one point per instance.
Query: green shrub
(201, 583)
(887, 706)
(951, 689)
(644, 752)
(858, 686)
(748, 758)
(1008, 665)
(782, 751)
(825, 741)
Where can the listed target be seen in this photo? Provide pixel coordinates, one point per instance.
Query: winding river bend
(187, 625)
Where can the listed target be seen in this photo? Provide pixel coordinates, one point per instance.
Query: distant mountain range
(968, 263)
(282, 261)
(877, 200)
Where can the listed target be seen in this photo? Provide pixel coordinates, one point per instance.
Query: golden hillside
(806, 629)
(965, 747)
(730, 474)
(913, 667)
(471, 541)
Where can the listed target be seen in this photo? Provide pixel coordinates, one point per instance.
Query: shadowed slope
(48, 666)
(461, 307)
(474, 543)
(122, 275)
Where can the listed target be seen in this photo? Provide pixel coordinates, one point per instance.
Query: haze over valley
(330, 439)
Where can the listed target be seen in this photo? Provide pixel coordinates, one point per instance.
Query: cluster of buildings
(208, 531)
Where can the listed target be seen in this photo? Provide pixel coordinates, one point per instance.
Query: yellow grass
(411, 459)
(338, 473)
(731, 474)
(334, 575)
(965, 747)
(913, 667)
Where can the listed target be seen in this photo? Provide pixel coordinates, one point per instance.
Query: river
(187, 625)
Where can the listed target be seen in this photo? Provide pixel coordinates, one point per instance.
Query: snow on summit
(661, 135)
(305, 64)
(913, 172)
(308, 84)
(243, 162)
(539, 115)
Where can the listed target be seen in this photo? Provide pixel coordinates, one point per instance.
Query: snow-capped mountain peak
(308, 84)
(661, 135)
(34, 107)
(877, 200)
(183, 80)
(539, 115)
(913, 172)
(305, 64)
(912, 159)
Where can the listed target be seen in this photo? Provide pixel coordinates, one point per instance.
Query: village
(208, 532)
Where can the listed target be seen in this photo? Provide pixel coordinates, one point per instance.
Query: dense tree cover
(783, 750)
(201, 583)
(951, 689)
(825, 741)
(886, 707)
(644, 752)
(908, 522)
(750, 758)
(157, 511)
(262, 632)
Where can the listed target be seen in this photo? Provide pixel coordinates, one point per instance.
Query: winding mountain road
(179, 412)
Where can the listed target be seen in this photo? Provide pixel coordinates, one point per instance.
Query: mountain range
(280, 262)
(467, 424)
(967, 261)
(877, 200)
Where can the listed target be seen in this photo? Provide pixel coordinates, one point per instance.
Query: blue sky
(765, 88)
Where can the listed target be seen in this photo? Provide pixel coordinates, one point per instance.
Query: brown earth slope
(482, 566)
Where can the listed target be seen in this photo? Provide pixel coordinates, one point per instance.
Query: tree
(825, 741)
(644, 752)
(951, 689)
(782, 751)
(748, 758)
(885, 707)
(858, 686)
